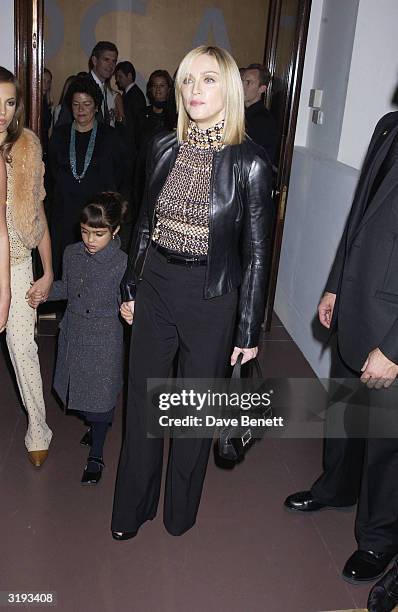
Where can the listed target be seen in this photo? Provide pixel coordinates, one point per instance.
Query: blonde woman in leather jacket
(196, 281)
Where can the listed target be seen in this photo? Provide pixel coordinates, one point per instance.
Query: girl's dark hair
(105, 209)
(16, 126)
(84, 85)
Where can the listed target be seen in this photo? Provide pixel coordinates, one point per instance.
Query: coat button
(78, 295)
(87, 311)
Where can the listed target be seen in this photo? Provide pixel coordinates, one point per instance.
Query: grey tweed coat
(88, 374)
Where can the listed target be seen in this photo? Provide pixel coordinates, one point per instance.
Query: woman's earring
(113, 236)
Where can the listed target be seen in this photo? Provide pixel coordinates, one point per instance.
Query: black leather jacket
(241, 223)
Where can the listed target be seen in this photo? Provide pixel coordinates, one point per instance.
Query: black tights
(99, 430)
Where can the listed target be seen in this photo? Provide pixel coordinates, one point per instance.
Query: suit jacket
(262, 128)
(133, 101)
(365, 271)
(110, 100)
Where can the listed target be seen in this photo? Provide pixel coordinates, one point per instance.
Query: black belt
(180, 260)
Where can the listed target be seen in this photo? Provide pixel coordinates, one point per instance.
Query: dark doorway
(284, 56)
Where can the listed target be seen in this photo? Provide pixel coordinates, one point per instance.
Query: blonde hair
(234, 126)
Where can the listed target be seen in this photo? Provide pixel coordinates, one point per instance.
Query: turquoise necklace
(89, 152)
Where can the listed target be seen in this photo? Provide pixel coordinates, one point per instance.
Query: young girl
(88, 375)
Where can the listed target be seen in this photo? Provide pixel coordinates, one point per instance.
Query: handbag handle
(237, 369)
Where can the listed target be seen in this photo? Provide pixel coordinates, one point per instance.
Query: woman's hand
(5, 298)
(248, 353)
(38, 293)
(127, 311)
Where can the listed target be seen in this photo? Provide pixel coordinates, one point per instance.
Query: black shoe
(366, 565)
(384, 595)
(87, 439)
(124, 535)
(93, 471)
(303, 501)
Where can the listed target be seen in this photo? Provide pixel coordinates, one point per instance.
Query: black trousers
(171, 317)
(363, 470)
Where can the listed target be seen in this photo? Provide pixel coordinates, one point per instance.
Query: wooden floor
(245, 554)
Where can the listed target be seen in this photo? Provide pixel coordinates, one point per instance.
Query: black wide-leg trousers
(171, 317)
(363, 470)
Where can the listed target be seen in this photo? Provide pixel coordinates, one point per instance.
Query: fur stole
(27, 190)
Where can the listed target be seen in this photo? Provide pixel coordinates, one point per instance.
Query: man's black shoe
(384, 595)
(366, 565)
(303, 501)
(124, 535)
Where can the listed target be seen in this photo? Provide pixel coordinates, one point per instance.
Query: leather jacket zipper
(211, 208)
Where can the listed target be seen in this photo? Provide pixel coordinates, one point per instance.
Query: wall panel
(151, 33)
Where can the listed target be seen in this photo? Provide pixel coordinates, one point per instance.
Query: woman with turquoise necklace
(86, 157)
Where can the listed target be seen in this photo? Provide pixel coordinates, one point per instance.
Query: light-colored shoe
(38, 457)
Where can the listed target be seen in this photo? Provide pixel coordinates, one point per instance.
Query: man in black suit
(360, 304)
(133, 97)
(260, 124)
(102, 65)
(133, 101)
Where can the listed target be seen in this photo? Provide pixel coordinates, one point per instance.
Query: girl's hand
(248, 353)
(127, 311)
(38, 293)
(5, 299)
(35, 299)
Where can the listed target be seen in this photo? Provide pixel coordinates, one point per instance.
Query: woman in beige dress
(27, 228)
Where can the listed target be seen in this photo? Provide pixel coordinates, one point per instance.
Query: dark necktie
(389, 161)
(106, 109)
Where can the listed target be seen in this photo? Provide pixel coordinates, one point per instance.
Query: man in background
(132, 96)
(260, 124)
(133, 101)
(102, 65)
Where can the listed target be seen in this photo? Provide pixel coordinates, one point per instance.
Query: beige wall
(157, 38)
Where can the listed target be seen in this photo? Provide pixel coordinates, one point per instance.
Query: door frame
(29, 56)
(294, 77)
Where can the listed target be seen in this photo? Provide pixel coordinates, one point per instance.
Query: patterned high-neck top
(182, 208)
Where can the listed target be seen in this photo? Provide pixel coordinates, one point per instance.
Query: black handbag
(234, 440)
